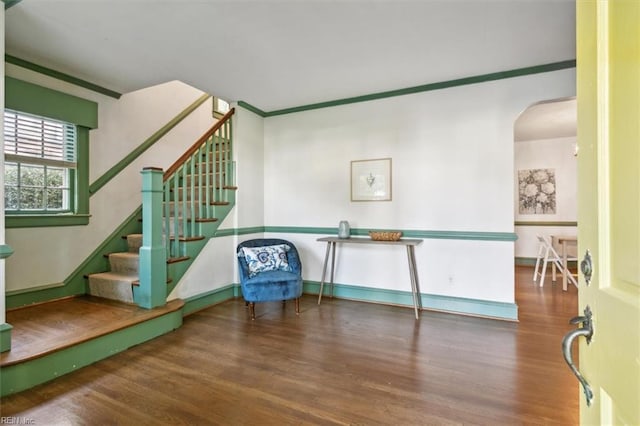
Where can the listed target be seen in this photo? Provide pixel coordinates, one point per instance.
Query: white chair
(546, 254)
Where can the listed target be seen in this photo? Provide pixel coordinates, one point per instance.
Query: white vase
(343, 229)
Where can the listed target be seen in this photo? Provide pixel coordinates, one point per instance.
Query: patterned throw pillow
(267, 258)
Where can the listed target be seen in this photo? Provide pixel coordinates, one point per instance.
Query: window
(40, 164)
(220, 107)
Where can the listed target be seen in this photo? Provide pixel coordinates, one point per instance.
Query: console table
(411, 257)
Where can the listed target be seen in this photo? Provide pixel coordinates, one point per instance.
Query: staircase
(197, 191)
(123, 274)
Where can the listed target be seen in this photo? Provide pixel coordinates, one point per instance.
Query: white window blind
(38, 140)
(40, 162)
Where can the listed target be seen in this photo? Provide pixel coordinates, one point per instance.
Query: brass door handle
(587, 331)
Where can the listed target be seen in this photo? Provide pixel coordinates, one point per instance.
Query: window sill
(45, 220)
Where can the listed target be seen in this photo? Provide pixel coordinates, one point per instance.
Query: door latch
(586, 266)
(587, 331)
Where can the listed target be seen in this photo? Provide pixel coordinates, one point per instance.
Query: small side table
(409, 243)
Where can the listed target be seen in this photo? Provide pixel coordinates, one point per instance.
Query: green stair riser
(25, 375)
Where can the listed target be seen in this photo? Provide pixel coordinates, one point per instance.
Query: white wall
(452, 154)
(557, 154)
(123, 125)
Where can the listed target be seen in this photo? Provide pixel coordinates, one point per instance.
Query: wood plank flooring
(342, 362)
(46, 327)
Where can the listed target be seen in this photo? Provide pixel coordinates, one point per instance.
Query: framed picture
(371, 180)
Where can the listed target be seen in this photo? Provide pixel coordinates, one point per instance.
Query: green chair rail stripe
(519, 72)
(131, 157)
(540, 223)
(57, 74)
(446, 235)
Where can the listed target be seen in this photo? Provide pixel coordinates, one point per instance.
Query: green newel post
(153, 257)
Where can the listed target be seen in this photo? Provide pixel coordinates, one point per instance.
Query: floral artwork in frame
(371, 180)
(537, 191)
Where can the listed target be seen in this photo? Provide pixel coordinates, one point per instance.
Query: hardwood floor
(342, 362)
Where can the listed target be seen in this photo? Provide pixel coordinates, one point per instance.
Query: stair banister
(172, 206)
(194, 148)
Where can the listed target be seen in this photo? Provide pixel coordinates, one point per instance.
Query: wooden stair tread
(77, 320)
(178, 259)
(206, 219)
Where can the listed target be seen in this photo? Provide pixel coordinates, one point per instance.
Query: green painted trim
(205, 300)
(18, 377)
(457, 305)
(152, 262)
(251, 108)
(531, 261)
(540, 223)
(10, 3)
(304, 230)
(5, 251)
(81, 216)
(447, 235)
(5, 337)
(33, 289)
(525, 261)
(57, 74)
(151, 140)
(462, 235)
(76, 283)
(28, 97)
(483, 78)
(239, 231)
(82, 172)
(40, 221)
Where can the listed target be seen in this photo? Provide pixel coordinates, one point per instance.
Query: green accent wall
(519, 72)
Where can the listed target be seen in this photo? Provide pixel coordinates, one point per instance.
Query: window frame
(37, 100)
(23, 143)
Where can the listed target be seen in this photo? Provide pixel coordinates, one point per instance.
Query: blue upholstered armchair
(270, 270)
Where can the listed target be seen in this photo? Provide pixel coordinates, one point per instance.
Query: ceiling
(551, 119)
(278, 54)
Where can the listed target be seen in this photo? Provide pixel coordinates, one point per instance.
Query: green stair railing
(182, 201)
